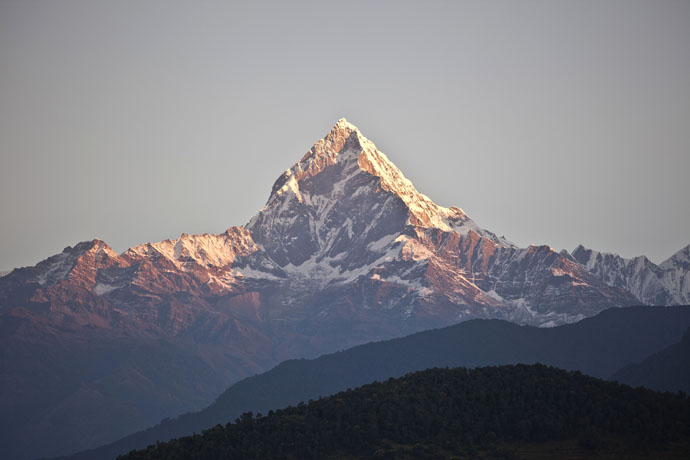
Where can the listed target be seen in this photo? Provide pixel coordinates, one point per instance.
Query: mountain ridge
(447, 413)
(597, 346)
(318, 231)
(667, 283)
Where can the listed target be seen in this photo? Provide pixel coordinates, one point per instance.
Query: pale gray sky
(549, 122)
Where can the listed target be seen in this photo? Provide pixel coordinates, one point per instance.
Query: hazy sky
(548, 122)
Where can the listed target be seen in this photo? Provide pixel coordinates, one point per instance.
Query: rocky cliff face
(676, 276)
(345, 251)
(665, 284)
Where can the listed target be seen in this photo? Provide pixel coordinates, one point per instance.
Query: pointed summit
(351, 154)
(342, 123)
(345, 182)
(347, 149)
(680, 258)
(342, 143)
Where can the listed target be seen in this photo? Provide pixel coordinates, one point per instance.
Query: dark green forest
(451, 413)
(598, 346)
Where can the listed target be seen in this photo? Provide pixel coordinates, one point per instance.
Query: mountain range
(665, 284)
(344, 252)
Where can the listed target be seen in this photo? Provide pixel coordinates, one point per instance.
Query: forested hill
(598, 346)
(441, 412)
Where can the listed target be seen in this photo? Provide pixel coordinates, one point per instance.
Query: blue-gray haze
(551, 122)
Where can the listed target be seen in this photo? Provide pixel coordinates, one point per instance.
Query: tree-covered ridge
(448, 408)
(597, 346)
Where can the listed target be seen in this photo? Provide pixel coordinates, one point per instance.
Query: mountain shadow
(667, 370)
(597, 346)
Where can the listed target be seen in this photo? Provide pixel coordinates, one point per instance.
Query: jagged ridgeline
(492, 412)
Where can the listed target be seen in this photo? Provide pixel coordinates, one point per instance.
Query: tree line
(452, 409)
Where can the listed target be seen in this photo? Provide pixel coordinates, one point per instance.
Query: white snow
(366, 159)
(494, 295)
(413, 249)
(103, 288)
(640, 276)
(58, 269)
(207, 250)
(681, 257)
(246, 272)
(382, 242)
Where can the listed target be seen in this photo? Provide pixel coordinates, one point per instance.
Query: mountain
(676, 276)
(598, 346)
(665, 284)
(352, 241)
(667, 370)
(455, 413)
(345, 251)
(83, 364)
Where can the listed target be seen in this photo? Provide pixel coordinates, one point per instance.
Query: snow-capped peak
(60, 266)
(345, 154)
(665, 284)
(341, 144)
(99, 247)
(207, 250)
(679, 259)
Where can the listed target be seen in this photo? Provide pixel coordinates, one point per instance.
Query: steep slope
(451, 413)
(676, 275)
(665, 284)
(348, 228)
(597, 346)
(667, 370)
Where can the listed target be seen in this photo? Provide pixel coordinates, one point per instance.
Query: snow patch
(104, 288)
(494, 295)
(247, 272)
(59, 268)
